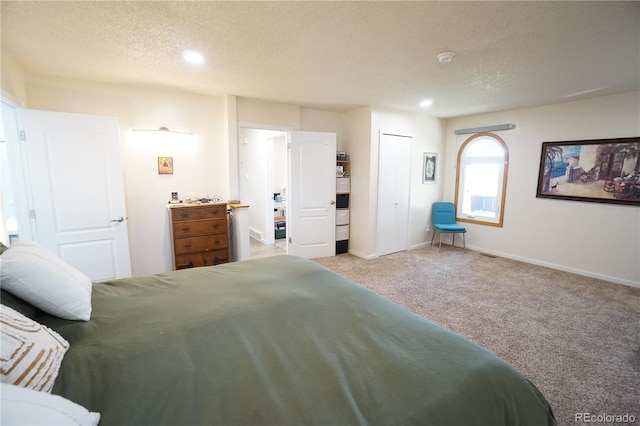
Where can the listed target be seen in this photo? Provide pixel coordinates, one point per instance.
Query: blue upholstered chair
(443, 220)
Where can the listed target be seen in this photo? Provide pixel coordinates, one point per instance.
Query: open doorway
(8, 219)
(14, 210)
(263, 166)
(307, 197)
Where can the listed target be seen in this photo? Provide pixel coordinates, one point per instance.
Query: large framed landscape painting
(601, 171)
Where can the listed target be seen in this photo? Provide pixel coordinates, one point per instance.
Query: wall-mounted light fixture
(162, 129)
(495, 128)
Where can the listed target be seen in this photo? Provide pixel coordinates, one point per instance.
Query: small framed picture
(429, 165)
(165, 165)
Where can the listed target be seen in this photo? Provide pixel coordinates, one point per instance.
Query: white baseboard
(589, 274)
(421, 245)
(363, 256)
(556, 266)
(255, 234)
(615, 280)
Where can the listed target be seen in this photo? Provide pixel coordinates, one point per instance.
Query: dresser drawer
(193, 228)
(199, 212)
(198, 244)
(195, 260)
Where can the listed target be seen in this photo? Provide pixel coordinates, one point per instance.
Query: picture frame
(599, 170)
(429, 167)
(165, 165)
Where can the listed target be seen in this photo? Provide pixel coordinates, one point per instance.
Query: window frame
(498, 222)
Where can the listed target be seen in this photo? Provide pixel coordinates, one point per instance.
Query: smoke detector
(445, 57)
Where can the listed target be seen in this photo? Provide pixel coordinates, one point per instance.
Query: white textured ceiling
(340, 55)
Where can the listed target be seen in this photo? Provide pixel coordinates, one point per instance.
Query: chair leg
(453, 240)
(440, 246)
(464, 243)
(433, 235)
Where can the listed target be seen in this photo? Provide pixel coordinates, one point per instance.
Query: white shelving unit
(343, 190)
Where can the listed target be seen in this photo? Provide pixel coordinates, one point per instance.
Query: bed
(277, 341)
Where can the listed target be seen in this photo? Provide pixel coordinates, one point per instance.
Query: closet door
(394, 184)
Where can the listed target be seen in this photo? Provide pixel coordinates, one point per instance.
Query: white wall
(200, 164)
(312, 120)
(600, 240)
(279, 164)
(356, 141)
(12, 80)
(269, 113)
(253, 180)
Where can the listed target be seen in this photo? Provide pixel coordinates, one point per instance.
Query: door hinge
(289, 240)
(22, 135)
(32, 214)
(288, 145)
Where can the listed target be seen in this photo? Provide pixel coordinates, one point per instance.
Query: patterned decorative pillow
(36, 275)
(30, 353)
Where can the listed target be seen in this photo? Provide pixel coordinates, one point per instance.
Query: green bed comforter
(278, 341)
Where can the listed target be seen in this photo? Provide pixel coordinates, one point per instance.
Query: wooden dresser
(200, 234)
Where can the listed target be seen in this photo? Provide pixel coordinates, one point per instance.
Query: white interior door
(75, 175)
(394, 185)
(312, 194)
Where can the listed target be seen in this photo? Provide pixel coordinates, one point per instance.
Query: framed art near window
(602, 171)
(429, 165)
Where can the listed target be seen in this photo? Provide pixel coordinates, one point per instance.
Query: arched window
(481, 179)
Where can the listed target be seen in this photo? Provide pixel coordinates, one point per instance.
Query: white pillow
(22, 406)
(31, 353)
(41, 278)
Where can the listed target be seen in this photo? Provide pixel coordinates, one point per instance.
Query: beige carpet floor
(576, 338)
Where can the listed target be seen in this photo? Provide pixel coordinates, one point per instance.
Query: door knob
(333, 202)
(120, 219)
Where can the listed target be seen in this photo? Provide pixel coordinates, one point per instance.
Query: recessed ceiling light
(426, 103)
(193, 57)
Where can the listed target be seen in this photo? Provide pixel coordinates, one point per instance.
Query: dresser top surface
(194, 205)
